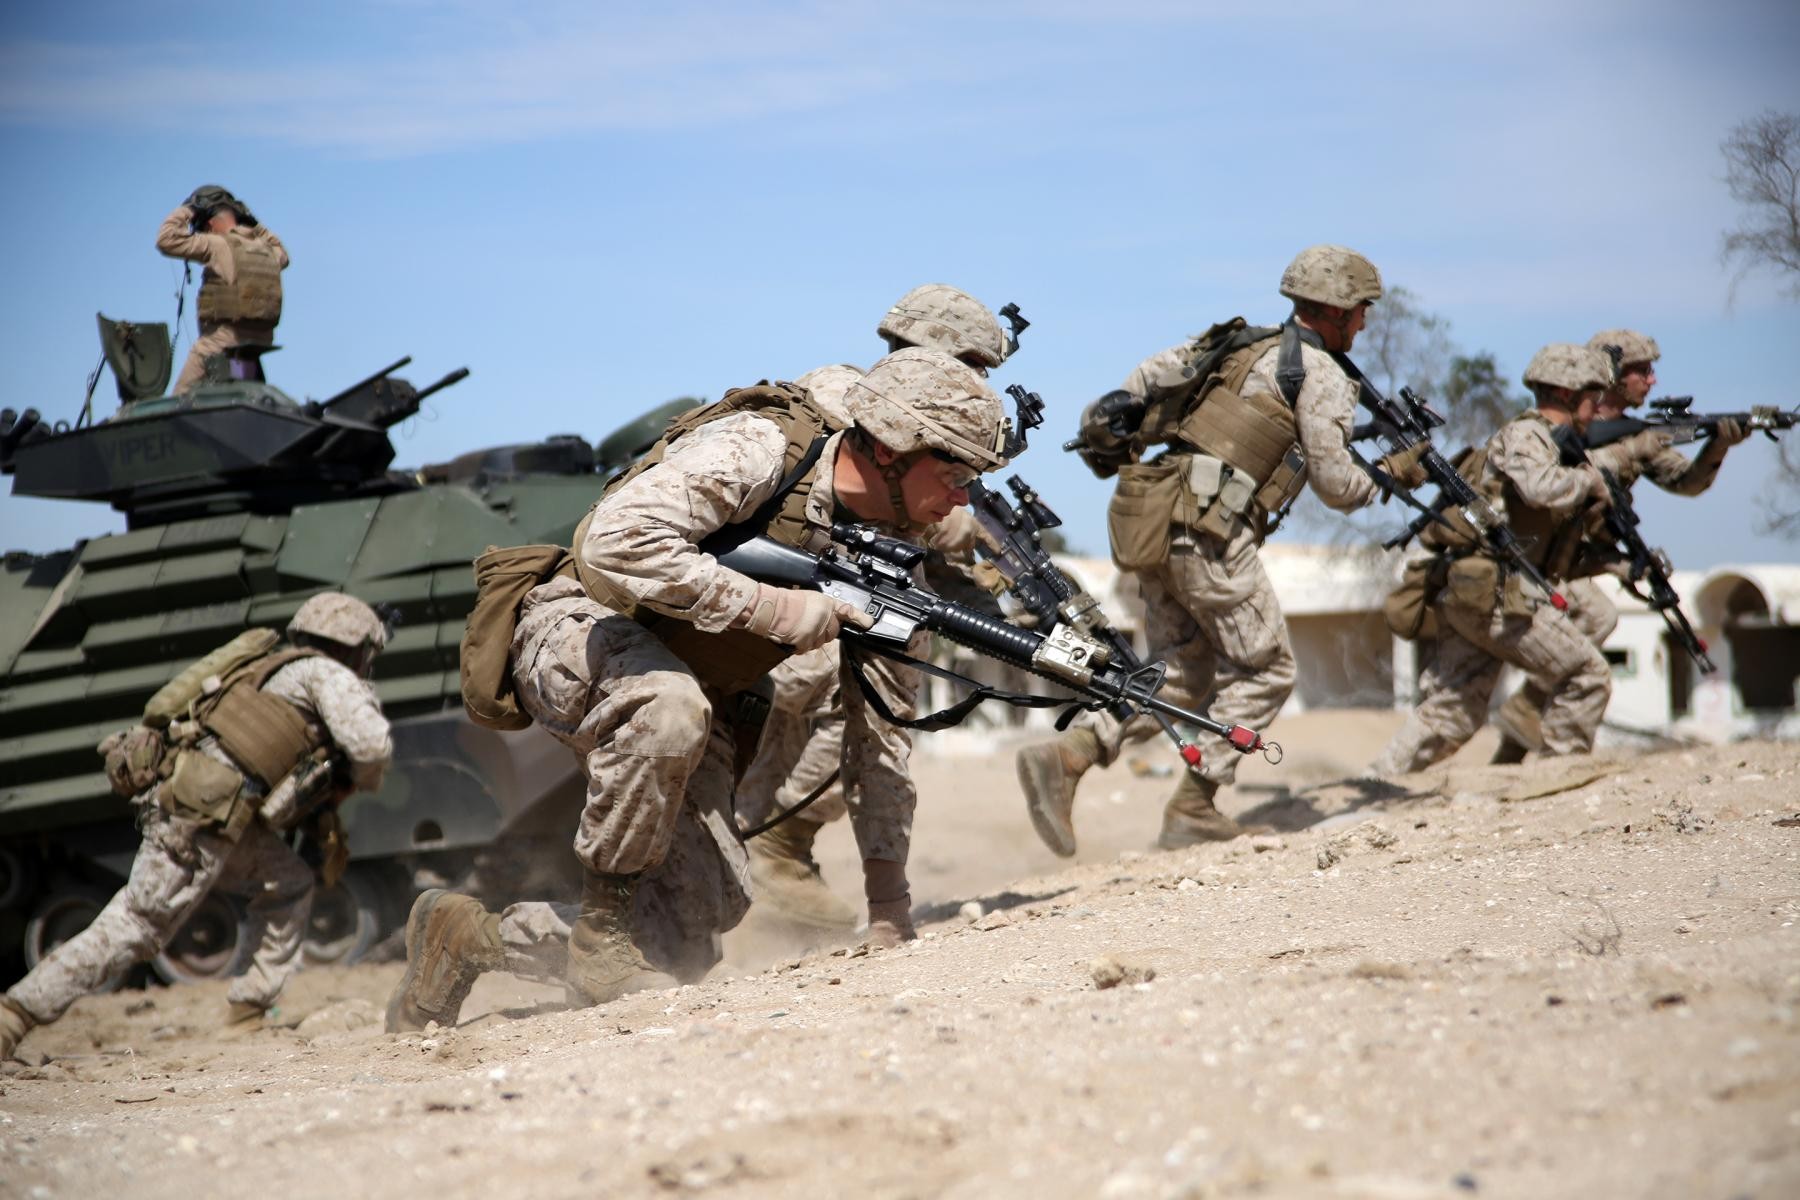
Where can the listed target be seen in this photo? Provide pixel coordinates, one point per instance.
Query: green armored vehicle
(241, 502)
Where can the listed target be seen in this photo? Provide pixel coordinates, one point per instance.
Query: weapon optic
(1676, 416)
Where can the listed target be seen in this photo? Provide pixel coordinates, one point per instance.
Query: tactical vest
(731, 659)
(1551, 540)
(265, 736)
(255, 291)
(1242, 453)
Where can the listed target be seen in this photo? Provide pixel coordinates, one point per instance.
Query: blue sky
(599, 206)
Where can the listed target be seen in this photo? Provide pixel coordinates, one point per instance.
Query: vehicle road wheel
(61, 914)
(212, 945)
(346, 920)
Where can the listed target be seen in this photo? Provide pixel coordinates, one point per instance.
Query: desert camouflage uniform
(181, 860)
(1554, 651)
(657, 744)
(213, 252)
(1210, 611)
(1589, 608)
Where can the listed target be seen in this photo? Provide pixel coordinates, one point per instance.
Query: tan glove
(802, 619)
(1730, 433)
(1403, 466)
(954, 536)
(1645, 445)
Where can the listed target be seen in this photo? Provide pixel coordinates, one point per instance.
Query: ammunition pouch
(503, 575)
(1146, 502)
(1408, 609)
(1472, 585)
(205, 790)
(1477, 584)
(134, 759)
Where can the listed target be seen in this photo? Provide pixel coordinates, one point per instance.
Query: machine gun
(380, 401)
(1057, 601)
(876, 577)
(1646, 570)
(1407, 423)
(1676, 416)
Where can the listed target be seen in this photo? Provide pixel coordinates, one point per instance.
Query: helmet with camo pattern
(940, 317)
(919, 399)
(1565, 365)
(1334, 275)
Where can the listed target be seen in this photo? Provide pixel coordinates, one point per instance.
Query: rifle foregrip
(978, 631)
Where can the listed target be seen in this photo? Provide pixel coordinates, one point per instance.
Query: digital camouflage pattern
(940, 317)
(828, 386)
(655, 744)
(916, 399)
(1565, 365)
(1553, 651)
(339, 618)
(1334, 275)
(1211, 614)
(181, 860)
(1634, 347)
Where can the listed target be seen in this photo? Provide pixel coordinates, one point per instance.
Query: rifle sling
(944, 718)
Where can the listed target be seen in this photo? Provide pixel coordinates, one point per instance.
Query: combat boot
(1521, 724)
(15, 1023)
(1190, 818)
(787, 879)
(450, 941)
(1049, 773)
(604, 962)
(242, 1018)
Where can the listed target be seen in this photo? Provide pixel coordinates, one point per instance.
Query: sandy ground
(1568, 979)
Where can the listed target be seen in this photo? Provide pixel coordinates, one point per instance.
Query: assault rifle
(876, 577)
(1408, 422)
(1643, 565)
(1675, 415)
(1055, 600)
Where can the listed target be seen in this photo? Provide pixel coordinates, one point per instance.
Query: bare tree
(1762, 169)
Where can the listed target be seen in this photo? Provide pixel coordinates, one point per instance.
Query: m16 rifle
(1408, 422)
(1676, 416)
(1647, 570)
(876, 577)
(1057, 601)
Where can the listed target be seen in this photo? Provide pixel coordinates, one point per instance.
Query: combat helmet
(1334, 275)
(208, 198)
(919, 399)
(1626, 346)
(940, 317)
(1565, 365)
(341, 619)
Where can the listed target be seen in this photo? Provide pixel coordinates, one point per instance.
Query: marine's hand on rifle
(804, 620)
(1730, 432)
(1404, 467)
(1598, 487)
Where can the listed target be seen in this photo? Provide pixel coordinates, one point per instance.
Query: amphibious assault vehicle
(240, 502)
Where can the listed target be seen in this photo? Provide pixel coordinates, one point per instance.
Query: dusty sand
(1452, 988)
